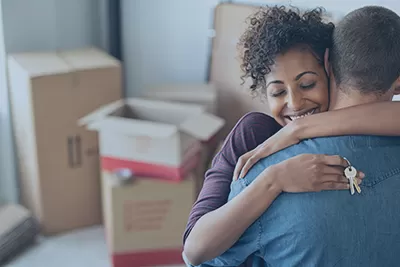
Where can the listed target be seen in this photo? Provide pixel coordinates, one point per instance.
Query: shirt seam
(382, 178)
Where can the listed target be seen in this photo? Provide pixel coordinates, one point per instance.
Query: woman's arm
(304, 173)
(200, 234)
(218, 229)
(369, 119)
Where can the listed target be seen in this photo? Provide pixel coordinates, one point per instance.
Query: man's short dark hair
(366, 50)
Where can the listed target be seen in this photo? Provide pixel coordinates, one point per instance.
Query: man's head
(365, 55)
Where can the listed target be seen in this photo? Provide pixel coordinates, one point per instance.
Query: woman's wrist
(270, 180)
(297, 129)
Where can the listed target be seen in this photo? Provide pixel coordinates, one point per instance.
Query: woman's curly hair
(275, 30)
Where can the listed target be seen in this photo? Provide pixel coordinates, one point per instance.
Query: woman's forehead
(293, 62)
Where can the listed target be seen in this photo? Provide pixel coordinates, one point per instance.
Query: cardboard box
(234, 98)
(144, 220)
(152, 138)
(58, 160)
(201, 94)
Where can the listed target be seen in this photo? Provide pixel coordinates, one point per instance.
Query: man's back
(330, 228)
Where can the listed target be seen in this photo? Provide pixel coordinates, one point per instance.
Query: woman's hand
(310, 173)
(284, 138)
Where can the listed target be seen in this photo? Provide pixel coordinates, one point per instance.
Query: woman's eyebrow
(275, 81)
(303, 73)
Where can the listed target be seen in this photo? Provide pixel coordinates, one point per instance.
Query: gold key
(357, 186)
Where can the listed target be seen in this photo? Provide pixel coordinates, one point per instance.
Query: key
(357, 187)
(350, 173)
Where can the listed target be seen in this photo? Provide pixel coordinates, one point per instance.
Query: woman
(283, 54)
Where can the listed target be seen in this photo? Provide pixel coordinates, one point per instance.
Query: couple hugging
(276, 194)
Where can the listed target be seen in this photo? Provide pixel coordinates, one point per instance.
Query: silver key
(350, 172)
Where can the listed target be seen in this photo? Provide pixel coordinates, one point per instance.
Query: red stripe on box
(149, 258)
(151, 170)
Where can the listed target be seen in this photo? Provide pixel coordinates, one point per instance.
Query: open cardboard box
(152, 138)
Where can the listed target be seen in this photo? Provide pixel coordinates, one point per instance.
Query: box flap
(88, 58)
(40, 64)
(202, 126)
(132, 127)
(100, 112)
(183, 92)
(165, 105)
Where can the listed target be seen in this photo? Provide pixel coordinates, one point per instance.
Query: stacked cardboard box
(204, 94)
(158, 146)
(58, 160)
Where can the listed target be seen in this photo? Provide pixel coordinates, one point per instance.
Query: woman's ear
(326, 61)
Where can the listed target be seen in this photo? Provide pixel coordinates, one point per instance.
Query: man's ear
(396, 86)
(326, 61)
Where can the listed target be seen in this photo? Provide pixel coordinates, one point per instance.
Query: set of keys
(351, 173)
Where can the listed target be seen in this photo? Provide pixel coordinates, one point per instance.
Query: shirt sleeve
(250, 131)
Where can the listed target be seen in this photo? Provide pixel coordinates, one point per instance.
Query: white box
(148, 131)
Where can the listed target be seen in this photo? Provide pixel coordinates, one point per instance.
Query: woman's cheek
(276, 108)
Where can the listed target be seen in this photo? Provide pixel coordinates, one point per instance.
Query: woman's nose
(295, 101)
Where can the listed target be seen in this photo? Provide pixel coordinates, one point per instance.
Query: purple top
(250, 131)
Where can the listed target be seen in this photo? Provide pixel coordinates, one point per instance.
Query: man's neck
(351, 97)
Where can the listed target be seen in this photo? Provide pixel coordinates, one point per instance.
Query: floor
(79, 248)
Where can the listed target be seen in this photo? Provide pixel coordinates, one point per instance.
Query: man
(334, 228)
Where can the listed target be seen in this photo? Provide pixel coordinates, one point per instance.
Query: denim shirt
(329, 228)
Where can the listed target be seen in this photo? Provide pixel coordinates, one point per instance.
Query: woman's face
(297, 86)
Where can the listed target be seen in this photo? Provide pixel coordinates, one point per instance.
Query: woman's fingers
(250, 162)
(334, 160)
(239, 165)
(335, 186)
(333, 170)
(254, 156)
(335, 178)
(336, 165)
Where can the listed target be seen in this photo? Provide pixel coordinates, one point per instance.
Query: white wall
(35, 25)
(167, 41)
(50, 24)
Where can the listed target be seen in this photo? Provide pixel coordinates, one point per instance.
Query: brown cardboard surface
(147, 214)
(234, 99)
(58, 160)
(201, 94)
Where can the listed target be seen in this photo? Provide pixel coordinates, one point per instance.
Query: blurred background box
(58, 160)
(152, 138)
(201, 94)
(145, 219)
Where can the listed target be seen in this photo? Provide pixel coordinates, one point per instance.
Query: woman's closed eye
(277, 93)
(307, 85)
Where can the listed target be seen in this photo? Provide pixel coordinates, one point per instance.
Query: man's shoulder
(374, 155)
(337, 143)
(345, 146)
(354, 142)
